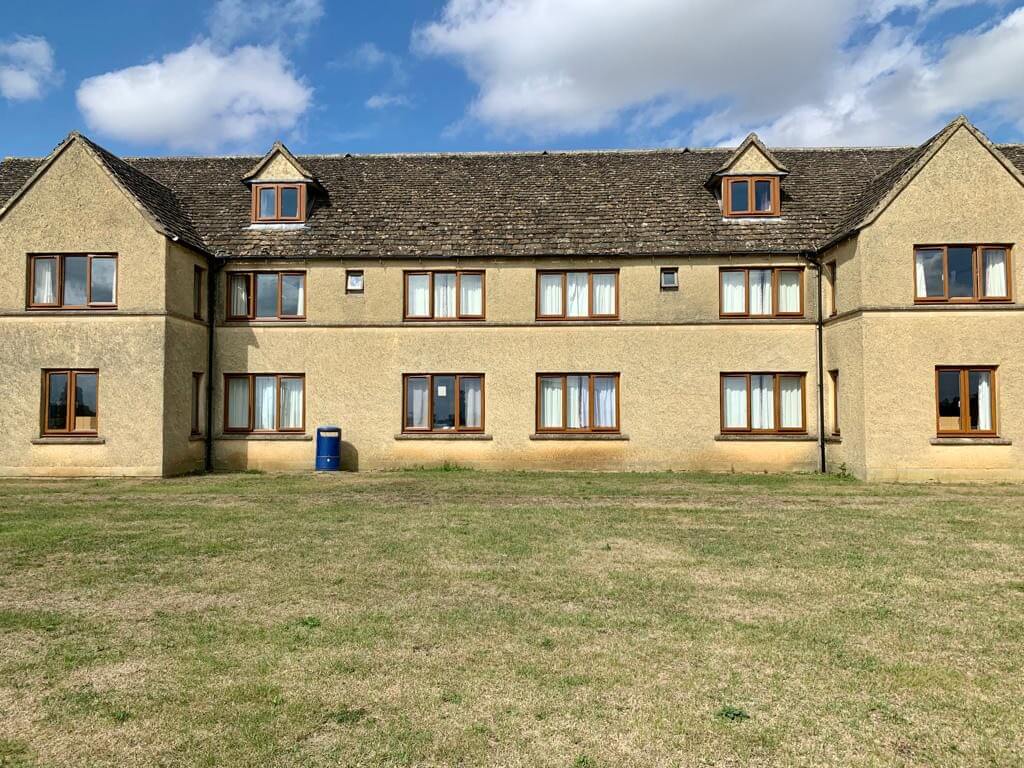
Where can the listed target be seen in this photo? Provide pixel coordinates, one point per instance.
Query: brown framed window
(750, 196)
(281, 203)
(72, 281)
(70, 402)
(583, 295)
(965, 400)
(577, 402)
(833, 376)
(669, 278)
(831, 273)
(197, 404)
(443, 402)
(444, 295)
(264, 402)
(761, 292)
(764, 403)
(199, 293)
(962, 273)
(353, 281)
(266, 296)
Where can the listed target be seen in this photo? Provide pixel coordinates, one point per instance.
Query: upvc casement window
(831, 273)
(763, 403)
(578, 402)
(965, 400)
(443, 402)
(198, 293)
(264, 402)
(353, 281)
(70, 402)
(590, 295)
(962, 273)
(197, 404)
(266, 296)
(761, 292)
(444, 295)
(744, 196)
(279, 203)
(72, 281)
(669, 278)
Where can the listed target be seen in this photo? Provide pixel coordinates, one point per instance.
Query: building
(747, 309)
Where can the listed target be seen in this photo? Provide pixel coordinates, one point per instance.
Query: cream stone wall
(752, 161)
(278, 168)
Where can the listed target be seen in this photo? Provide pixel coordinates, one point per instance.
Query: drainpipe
(211, 324)
(819, 329)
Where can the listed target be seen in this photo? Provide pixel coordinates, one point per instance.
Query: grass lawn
(510, 619)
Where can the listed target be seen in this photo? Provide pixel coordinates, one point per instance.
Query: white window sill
(69, 440)
(277, 227)
(970, 441)
(442, 436)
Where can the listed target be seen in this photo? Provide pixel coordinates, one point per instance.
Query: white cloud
(385, 100)
(198, 98)
(287, 22)
(787, 67)
(27, 66)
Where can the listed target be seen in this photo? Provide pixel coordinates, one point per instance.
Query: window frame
(674, 271)
(252, 404)
(72, 374)
(429, 430)
(727, 183)
(564, 430)
(832, 276)
(833, 377)
(350, 273)
(775, 313)
(965, 413)
(199, 292)
(59, 303)
(565, 295)
(250, 276)
(459, 314)
(277, 218)
(977, 263)
(776, 403)
(196, 410)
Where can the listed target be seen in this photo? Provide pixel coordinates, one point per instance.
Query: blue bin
(328, 449)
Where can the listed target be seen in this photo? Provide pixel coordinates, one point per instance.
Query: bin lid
(328, 429)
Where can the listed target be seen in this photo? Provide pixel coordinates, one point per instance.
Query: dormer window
(750, 196)
(278, 203)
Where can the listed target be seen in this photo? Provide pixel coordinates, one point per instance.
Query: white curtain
(551, 294)
(922, 283)
(416, 403)
(733, 289)
(735, 406)
(291, 403)
(470, 405)
(604, 294)
(789, 291)
(762, 402)
(760, 291)
(419, 296)
(578, 290)
(984, 400)
(791, 404)
(551, 403)
(994, 270)
(444, 294)
(45, 281)
(265, 402)
(471, 294)
(238, 403)
(578, 402)
(604, 402)
(239, 297)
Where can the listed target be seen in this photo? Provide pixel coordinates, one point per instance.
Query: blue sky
(411, 75)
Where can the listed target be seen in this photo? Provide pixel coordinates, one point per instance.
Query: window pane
(85, 402)
(980, 383)
(44, 281)
(239, 295)
(444, 294)
(551, 403)
(577, 402)
(104, 275)
(949, 401)
(734, 391)
(264, 413)
(416, 393)
(75, 269)
(760, 291)
(471, 290)
(789, 291)
(791, 404)
(354, 282)
(57, 402)
(763, 196)
(268, 203)
(293, 294)
(291, 403)
(551, 294)
(418, 300)
(577, 288)
(266, 295)
(961, 272)
(734, 288)
(739, 194)
(238, 403)
(289, 203)
(993, 272)
(930, 279)
(605, 410)
(470, 413)
(604, 294)
(762, 402)
(444, 402)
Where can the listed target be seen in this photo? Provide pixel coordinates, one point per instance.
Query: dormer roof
(752, 157)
